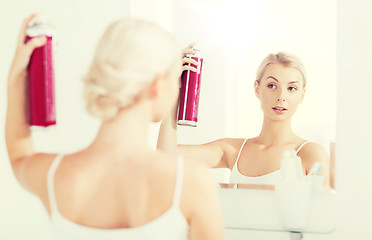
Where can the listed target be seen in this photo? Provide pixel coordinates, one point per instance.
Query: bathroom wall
(79, 24)
(354, 131)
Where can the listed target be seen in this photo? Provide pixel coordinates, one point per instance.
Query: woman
(280, 87)
(117, 187)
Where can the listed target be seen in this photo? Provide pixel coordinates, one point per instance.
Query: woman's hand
(24, 50)
(167, 140)
(186, 61)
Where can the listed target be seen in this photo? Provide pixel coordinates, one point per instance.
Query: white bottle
(292, 192)
(289, 166)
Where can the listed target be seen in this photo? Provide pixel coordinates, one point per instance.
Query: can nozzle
(37, 20)
(38, 26)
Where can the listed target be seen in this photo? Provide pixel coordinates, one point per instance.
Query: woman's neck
(127, 132)
(275, 133)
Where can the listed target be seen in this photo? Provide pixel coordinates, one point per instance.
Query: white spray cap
(38, 26)
(37, 20)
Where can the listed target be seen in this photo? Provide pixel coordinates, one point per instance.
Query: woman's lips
(279, 110)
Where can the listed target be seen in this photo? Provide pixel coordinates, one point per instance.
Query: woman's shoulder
(195, 171)
(238, 141)
(200, 196)
(311, 148)
(198, 184)
(232, 144)
(167, 165)
(231, 148)
(313, 152)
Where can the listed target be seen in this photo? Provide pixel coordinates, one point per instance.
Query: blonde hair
(285, 59)
(130, 54)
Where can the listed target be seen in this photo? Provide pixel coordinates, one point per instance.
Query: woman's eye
(272, 86)
(292, 89)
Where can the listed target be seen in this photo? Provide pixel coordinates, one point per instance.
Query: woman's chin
(279, 118)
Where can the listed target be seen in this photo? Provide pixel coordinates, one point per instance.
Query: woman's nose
(281, 96)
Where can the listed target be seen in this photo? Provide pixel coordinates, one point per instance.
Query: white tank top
(270, 178)
(170, 225)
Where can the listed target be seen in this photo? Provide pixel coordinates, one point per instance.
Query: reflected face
(280, 91)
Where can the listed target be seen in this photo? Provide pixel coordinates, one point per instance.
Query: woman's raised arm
(212, 153)
(20, 144)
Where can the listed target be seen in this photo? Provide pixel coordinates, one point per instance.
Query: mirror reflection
(267, 86)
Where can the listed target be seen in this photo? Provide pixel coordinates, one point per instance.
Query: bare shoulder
(195, 172)
(198, 183)
(312, 149)
(200, 201)
(227, 144)
(232, 142)
(197, 177)
(32, 171)
(232, 147)
(313, 152)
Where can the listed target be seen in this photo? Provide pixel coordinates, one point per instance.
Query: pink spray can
(189, 94)
(41, 98)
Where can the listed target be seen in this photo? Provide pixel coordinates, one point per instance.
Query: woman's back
(130, 199)
(84, 185)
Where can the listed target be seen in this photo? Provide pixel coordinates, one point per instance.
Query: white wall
(79, 24)
(354, 131)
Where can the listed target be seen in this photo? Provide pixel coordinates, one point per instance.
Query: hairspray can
(41, 99)
(189, 95)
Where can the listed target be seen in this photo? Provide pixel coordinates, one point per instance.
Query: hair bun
(130, 54)
(107, 91)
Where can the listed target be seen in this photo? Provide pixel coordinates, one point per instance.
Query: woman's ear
(257, 88)
(154, 89)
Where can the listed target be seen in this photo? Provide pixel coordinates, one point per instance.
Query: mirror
(234, 37)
